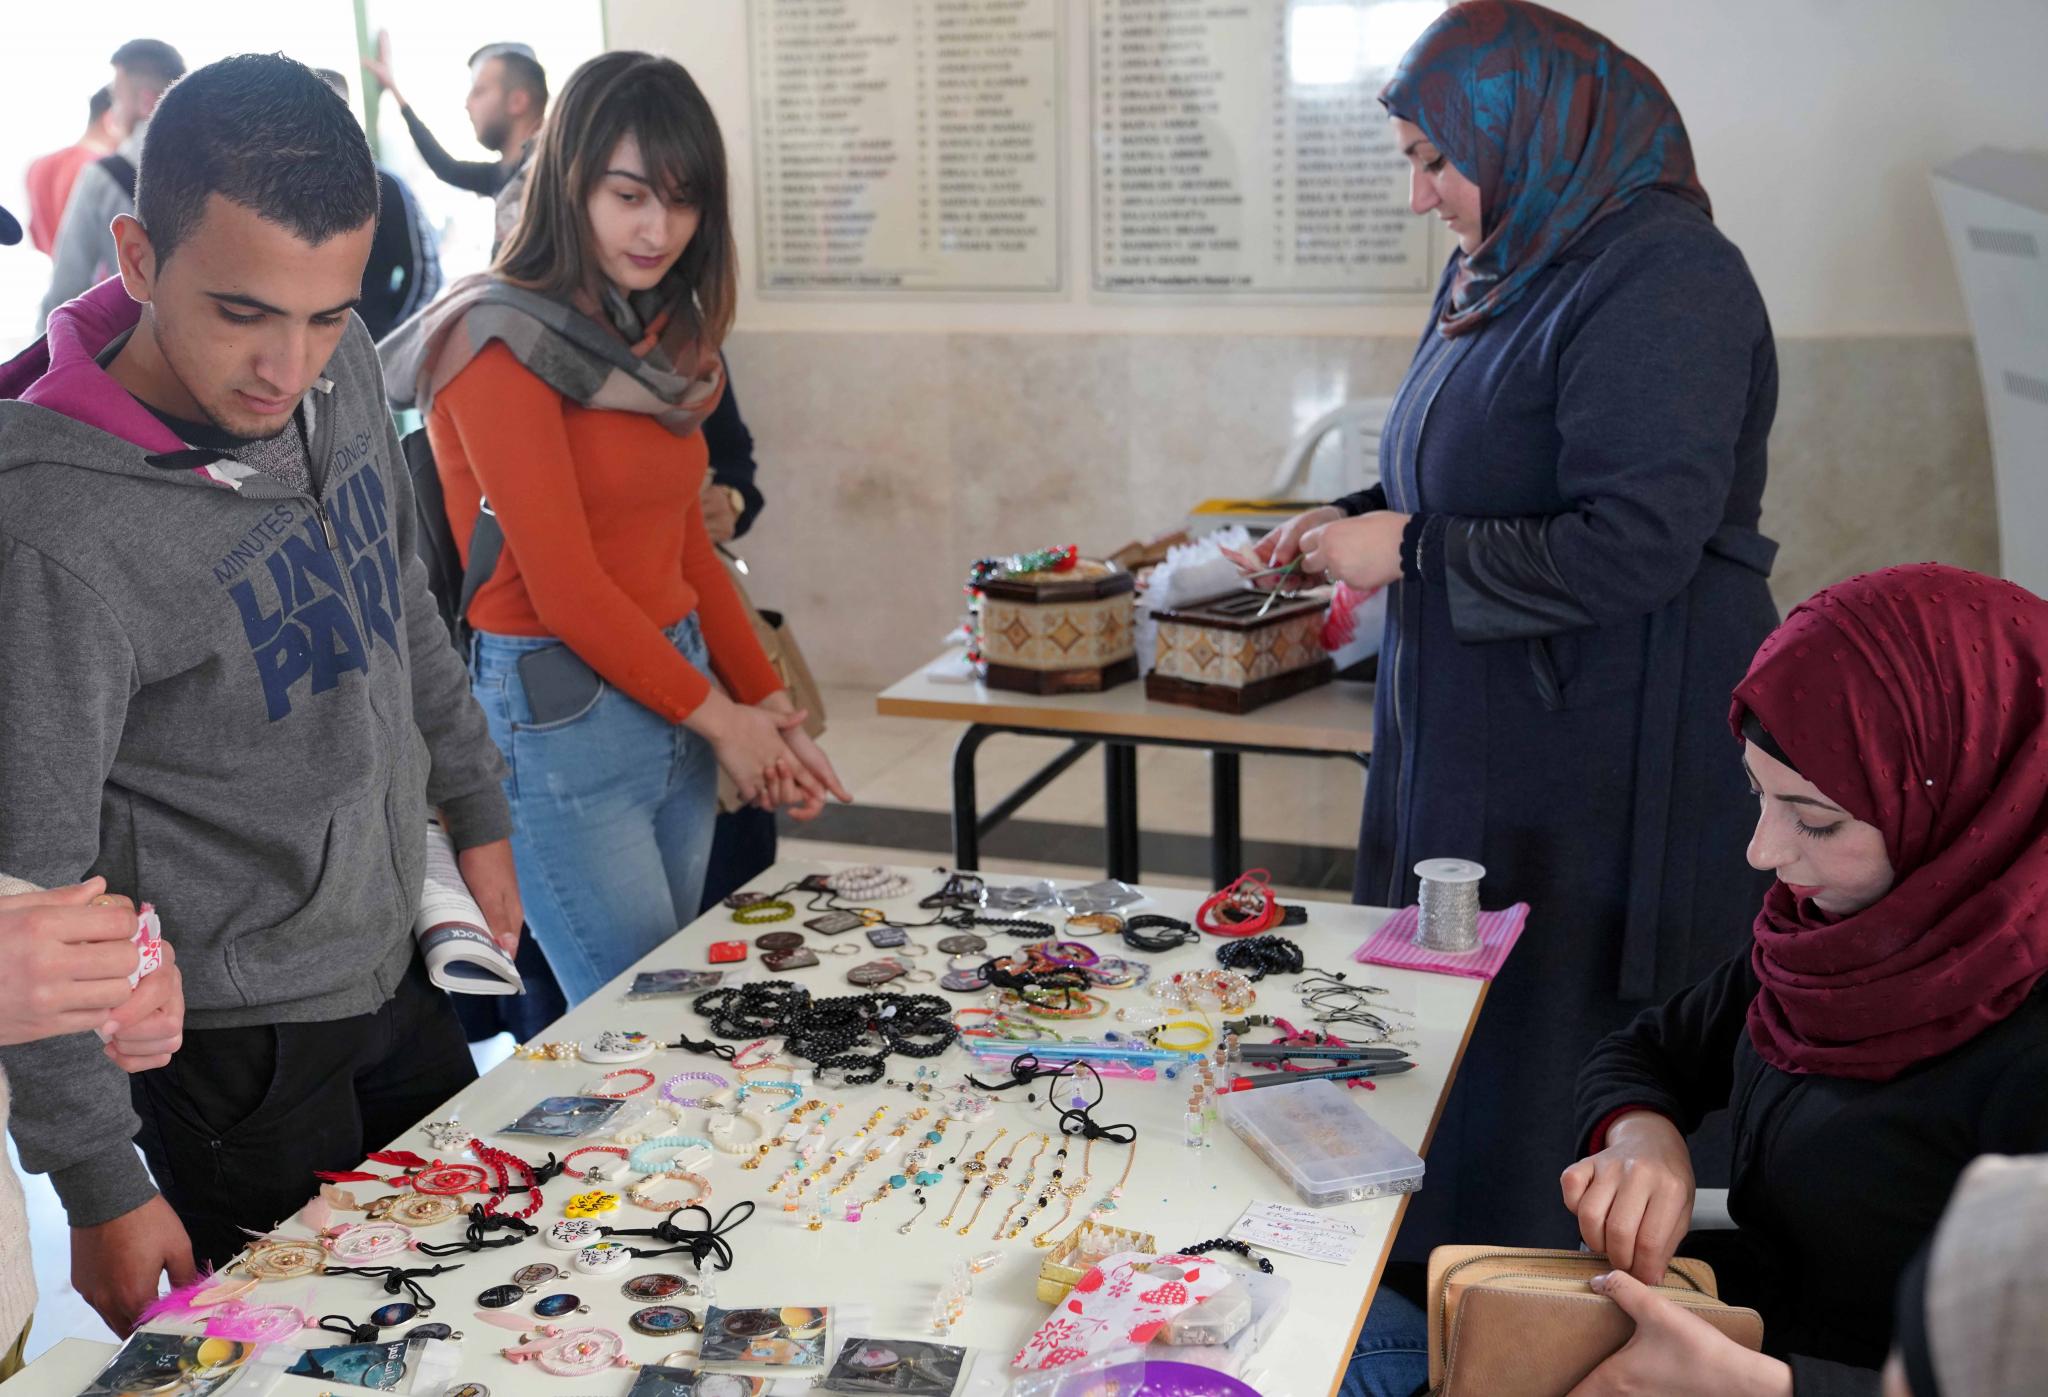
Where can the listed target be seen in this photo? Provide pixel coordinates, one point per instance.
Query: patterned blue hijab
(1555, 124)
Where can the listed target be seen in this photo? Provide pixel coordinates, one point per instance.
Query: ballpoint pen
(1331, 1074)
(1276, 1052)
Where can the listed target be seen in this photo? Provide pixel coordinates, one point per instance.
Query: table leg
(966, 831)
(1120, 809)
(1226, 836)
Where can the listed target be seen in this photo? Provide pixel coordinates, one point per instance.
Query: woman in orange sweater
(567, 387)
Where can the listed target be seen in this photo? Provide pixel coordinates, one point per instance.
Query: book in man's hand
(453, 935)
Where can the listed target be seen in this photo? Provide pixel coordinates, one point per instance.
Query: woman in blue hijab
(1571, 482)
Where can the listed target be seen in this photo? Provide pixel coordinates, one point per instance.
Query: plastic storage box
(1329, 1149)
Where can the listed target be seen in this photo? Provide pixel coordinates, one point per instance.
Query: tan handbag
(779, 644)
(1523, 1322)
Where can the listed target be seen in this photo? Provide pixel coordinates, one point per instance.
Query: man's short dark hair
(522, 70)
(261, 130)
(150, 59)
(102, 102)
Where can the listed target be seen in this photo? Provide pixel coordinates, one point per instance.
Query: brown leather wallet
(1523, 1322)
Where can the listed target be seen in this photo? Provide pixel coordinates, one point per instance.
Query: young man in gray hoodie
(224, 687)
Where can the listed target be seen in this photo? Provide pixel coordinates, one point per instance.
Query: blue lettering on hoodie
(305, 610)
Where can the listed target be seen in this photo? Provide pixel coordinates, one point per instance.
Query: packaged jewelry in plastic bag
(189, 1366)
(399, 1365)
(909, 1366)
(1216, 1320)
(1108, 895)
(566, 1117)
(788, 1336)
(1269, 1297)
(1008, 900)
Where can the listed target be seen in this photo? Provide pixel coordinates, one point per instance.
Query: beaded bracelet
(592, 1173)
(1228, 1244)
(1260, 956)
(772, 909)
(669, 1087)
(794, 1089)
(641, 1160)
(723, 1132)
(625, 1092)
(642, 1193)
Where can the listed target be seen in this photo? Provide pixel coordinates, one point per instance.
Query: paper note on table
(1298, 1232)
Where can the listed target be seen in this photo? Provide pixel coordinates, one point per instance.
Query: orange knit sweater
(604, 534)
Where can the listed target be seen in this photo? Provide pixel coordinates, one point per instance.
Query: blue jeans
(1392, 1357)
(612, 812)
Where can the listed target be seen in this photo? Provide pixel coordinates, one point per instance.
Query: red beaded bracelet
(629, 1091)
(502, 1166)
(569, 1159)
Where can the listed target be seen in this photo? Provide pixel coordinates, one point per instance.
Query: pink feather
(318, 1214)
(178, 1303)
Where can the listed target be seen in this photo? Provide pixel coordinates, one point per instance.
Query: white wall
(1815, 123)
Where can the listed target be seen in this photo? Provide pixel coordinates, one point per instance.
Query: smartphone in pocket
(558, 684)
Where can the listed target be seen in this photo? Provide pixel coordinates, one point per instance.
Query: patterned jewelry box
(1220, 653)
(1072, 632)
(1071, 1259)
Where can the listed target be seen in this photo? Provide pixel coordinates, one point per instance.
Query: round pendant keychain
(603, 1259)
(555, 1306)
(499, 1296)
(572, 1234)
(659, 1285)
(532, 1277)
(662, 1320)
(779, 940)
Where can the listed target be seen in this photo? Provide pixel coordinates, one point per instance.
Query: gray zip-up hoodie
(231, 699)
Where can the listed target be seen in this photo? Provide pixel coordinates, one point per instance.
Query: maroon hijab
(1916, 699)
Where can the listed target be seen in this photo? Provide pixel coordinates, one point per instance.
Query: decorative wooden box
(1071, 632)
(1221, 654)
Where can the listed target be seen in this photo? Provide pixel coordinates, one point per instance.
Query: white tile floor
(907, 763)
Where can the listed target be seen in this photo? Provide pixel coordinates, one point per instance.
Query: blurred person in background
(51, 176)
(508, 100)
(84, 250)
(404, 270)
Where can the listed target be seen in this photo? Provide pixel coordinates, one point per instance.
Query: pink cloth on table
(1394, 944)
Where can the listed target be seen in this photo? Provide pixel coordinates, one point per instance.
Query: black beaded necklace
(1259, 956)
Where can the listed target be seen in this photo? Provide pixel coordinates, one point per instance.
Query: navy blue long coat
(1584, 585)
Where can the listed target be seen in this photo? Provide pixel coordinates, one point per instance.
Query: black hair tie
(708, 1240)
(397, 1277)
(481, 1224)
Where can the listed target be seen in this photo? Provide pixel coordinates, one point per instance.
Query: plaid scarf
(634, 370)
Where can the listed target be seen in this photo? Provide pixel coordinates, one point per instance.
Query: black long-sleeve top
(1836, 1182)
(476, 176)
(731, 447)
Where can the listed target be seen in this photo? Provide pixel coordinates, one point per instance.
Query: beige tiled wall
(891, 461)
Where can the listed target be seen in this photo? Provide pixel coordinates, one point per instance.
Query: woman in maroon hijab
(1889, 1022)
